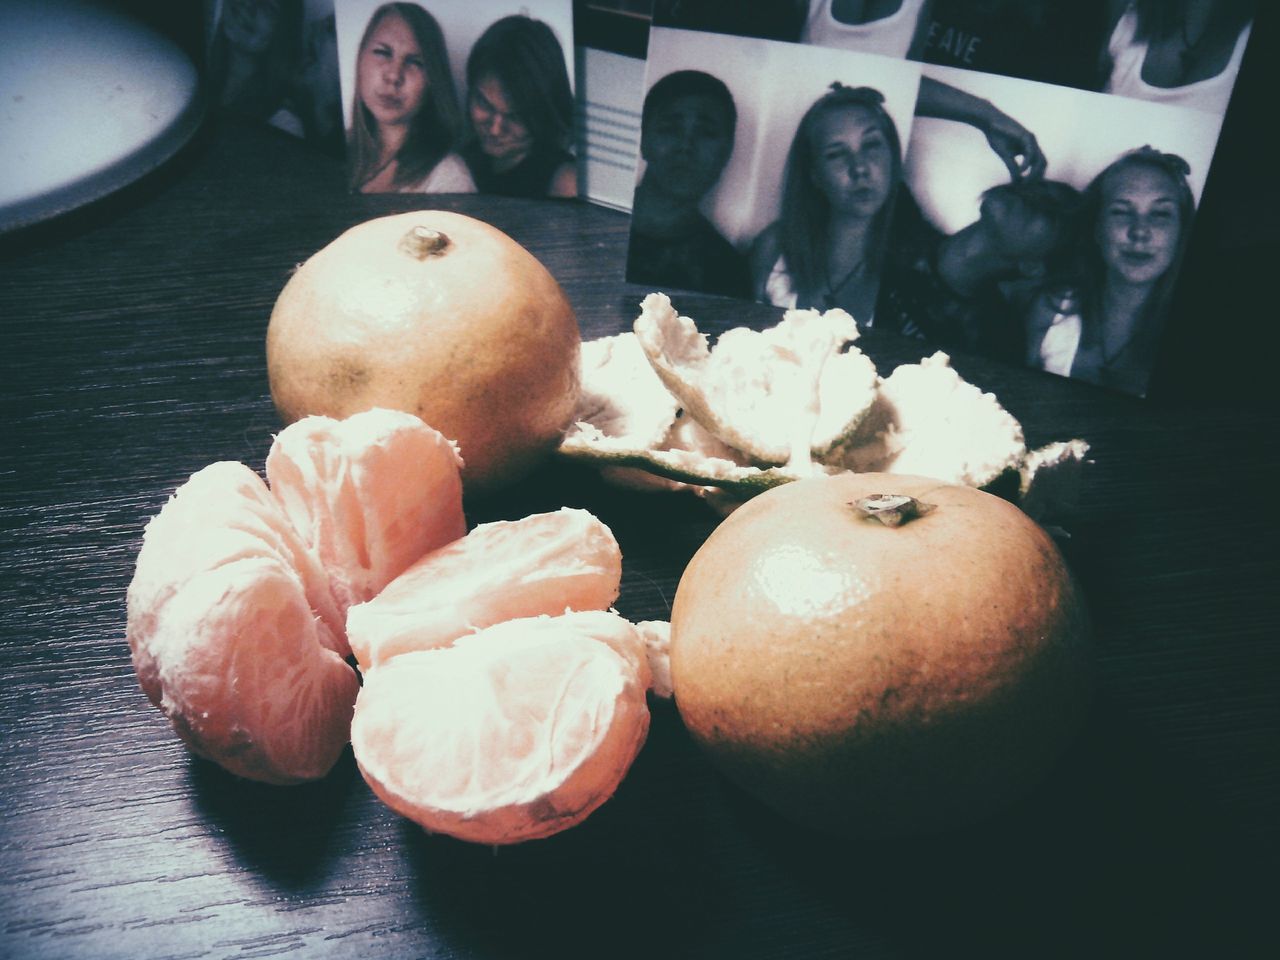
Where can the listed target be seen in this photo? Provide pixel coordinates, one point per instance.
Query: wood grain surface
(133, 336)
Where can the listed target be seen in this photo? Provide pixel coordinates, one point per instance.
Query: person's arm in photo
(1014, 144)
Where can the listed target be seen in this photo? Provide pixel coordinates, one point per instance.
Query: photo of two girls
(1015, 179)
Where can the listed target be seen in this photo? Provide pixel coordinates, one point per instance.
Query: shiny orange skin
(477, 339)
(878, 681)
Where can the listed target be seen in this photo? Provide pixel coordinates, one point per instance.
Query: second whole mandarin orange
(873, 680)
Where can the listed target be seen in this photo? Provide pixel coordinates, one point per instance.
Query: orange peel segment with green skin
(621, 395)
(631, 426)
(680, 468)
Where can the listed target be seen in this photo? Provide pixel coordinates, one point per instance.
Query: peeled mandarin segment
(249, 686)
(223, 512)
(369, 494)
(515, 733)
(226, 642)
(628, 640)
(541, 564)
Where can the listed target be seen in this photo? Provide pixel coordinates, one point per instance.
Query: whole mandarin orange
(873, 680)
(440, 315)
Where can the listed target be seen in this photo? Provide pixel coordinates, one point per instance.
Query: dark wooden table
(133, 337)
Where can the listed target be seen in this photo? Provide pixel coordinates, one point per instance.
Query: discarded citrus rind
(698, 451)
(623, 399)
(782, 395)
(922, 418)
(927, 420)
(1050, 478)
(621, 394)
(683, 468)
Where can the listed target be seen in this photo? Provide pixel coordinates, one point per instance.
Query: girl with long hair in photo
(520, 111)
(843, 169)
(405, 118)
(1102, 323)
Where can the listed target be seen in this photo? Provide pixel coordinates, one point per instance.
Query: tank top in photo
(890, 36)
(1128, 55)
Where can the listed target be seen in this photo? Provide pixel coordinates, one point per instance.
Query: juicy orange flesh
(515, 732)
(270, 702)
(221, 622)
(541, 564)
(369, 495)
(502, 734)
(236, 611)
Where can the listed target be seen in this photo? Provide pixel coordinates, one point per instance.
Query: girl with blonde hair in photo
(1102, 322)
(842, 171)
(405, 118)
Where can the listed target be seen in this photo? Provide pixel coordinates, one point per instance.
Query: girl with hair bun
(1102, 322)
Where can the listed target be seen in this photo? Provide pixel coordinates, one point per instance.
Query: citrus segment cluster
(503, 700)
(236, 610)
(498, 697)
